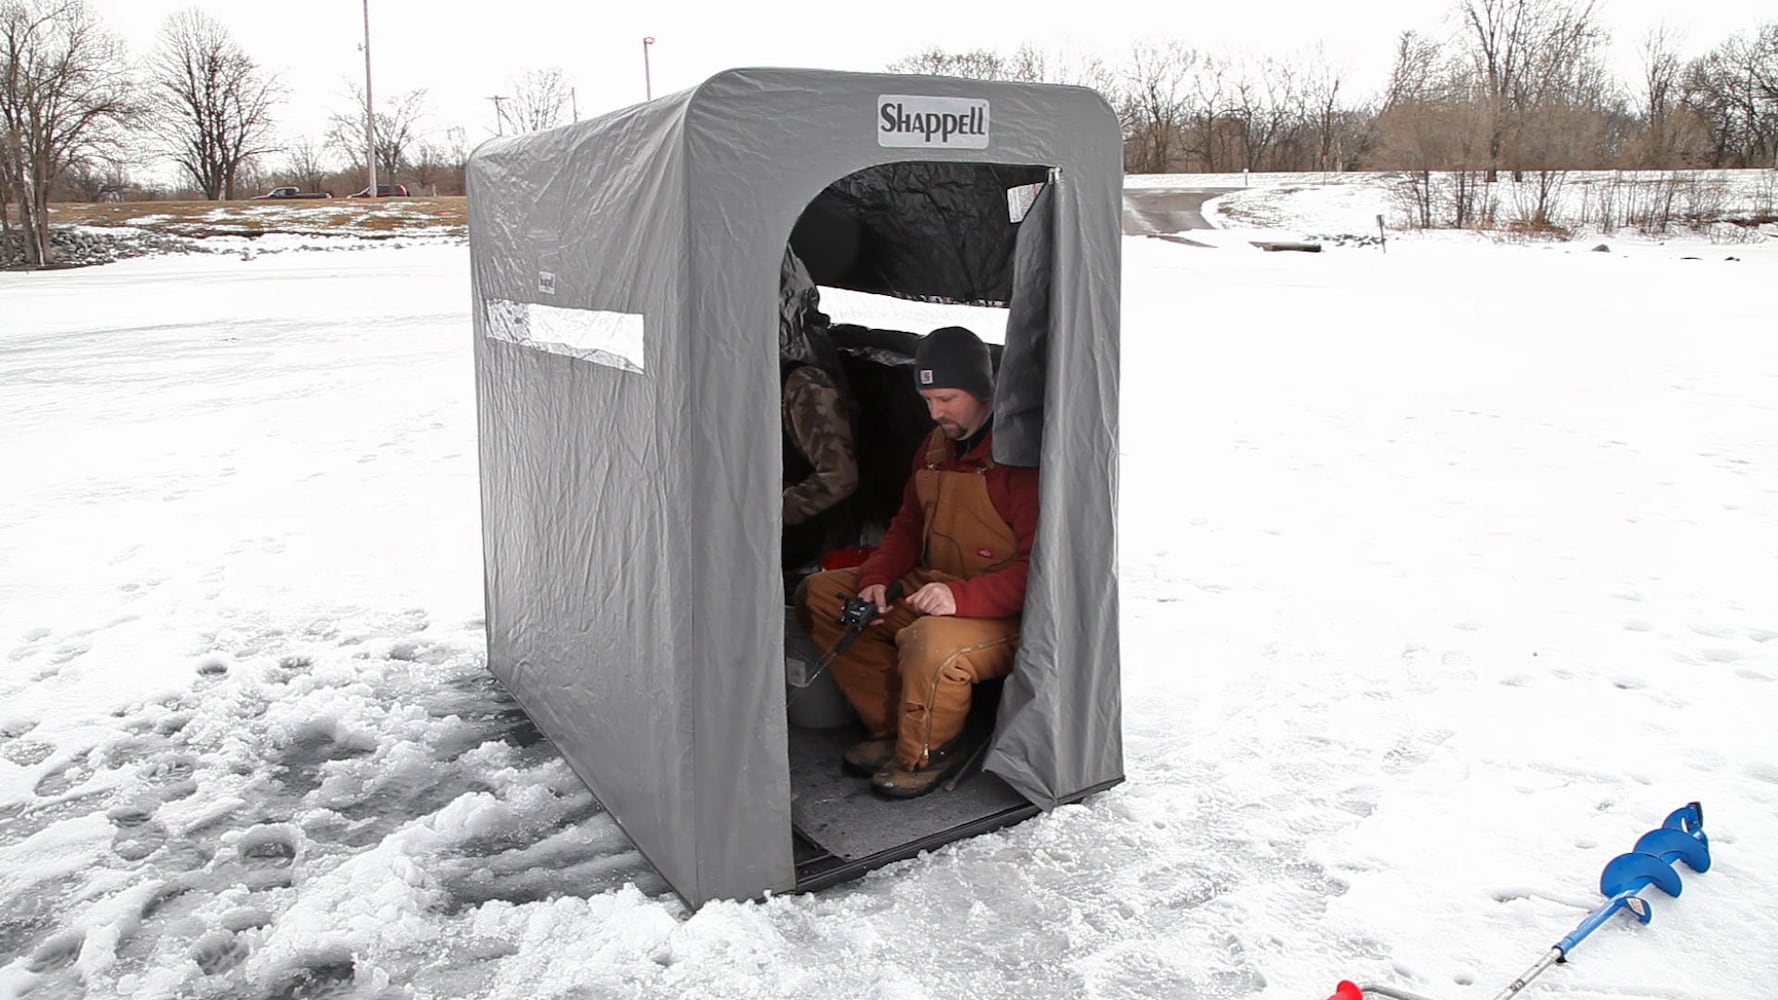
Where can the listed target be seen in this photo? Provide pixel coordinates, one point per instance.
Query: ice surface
(1447, 572)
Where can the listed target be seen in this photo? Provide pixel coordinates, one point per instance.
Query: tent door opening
(895, 251)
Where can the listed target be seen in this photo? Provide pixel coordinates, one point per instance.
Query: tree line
(77, 117)
(1520, 86)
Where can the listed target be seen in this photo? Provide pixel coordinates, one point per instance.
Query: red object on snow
(1347, 990)
(847, 558)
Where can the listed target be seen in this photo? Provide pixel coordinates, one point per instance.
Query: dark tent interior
(936, 231)
(931, 232)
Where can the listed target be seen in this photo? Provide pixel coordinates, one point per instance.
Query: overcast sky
(463, 58)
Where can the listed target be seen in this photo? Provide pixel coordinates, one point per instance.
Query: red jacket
(1013, 491)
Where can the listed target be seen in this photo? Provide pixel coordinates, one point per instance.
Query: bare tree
(1524, 51)
(1265, 112)
(11, 186)
(255, 175)
(1419, 71)
(1563, 112)
(1035, 65)
(64, 97)
(539, 99)
(211, 104)
(1202, 105)
(1028, 63)
(96, 179)
(1498, 31)
(1733, 89)
(1432, 125)
(441, 160)
(978, 64)
(1183, 109)
(305, 165)
(1328, 122)
(11, 158)
(398, 129)
(1153, 101)
(1660, 96)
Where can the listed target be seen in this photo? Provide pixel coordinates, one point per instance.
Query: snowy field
(1589, 203)
(1447, 572)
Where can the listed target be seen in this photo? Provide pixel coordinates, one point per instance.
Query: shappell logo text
(904, 120)
(896, 118)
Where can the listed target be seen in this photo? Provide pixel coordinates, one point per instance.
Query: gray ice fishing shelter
(626, 274)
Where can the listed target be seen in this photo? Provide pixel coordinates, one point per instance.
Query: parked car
(383, 191)
(289, 192)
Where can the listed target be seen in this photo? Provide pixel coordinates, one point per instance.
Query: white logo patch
(925, 376)
(905, 120)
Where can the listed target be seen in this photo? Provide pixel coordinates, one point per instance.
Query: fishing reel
(856, 612)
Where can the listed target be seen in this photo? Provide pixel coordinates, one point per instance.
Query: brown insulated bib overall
(913, 675)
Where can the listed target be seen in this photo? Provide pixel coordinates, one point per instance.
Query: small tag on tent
(1019, 201)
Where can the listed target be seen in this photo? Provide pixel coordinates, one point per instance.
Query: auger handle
(1626, 900)
(1513, 988)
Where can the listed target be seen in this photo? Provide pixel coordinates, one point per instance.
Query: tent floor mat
(845, 829)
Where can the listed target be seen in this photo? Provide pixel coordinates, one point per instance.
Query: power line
(499, 115)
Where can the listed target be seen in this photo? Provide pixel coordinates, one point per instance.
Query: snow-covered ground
(1588, 204)
(1447, 572)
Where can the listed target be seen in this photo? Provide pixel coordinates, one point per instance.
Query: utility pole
(370, 114)
(573, 105)
(647, 83)
(499, 116)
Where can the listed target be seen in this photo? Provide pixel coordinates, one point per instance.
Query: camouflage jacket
(815, 422)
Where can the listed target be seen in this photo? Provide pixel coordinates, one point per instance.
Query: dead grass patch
(1538, 229)
(237, 218)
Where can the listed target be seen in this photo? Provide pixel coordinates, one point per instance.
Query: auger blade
(1688, 818)
(1671, 845)
(1630, 872)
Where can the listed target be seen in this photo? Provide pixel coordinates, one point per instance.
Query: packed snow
(1721, 207)
(1447, 572)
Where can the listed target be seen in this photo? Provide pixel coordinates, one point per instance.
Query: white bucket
(814, 700)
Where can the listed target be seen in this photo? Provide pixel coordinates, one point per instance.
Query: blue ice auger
(1650, 862)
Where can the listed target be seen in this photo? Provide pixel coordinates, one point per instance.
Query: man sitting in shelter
(960, 546)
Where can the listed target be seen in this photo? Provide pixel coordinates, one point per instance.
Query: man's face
(958, 413)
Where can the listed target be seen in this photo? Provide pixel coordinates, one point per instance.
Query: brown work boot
(898, 780)
(867, 758)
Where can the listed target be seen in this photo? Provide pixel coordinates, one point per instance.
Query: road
(1166, 210)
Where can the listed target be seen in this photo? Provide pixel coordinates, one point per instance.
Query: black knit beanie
(952, 357)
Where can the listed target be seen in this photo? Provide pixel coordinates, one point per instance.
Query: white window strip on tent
(886, 312)
(612, 339)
